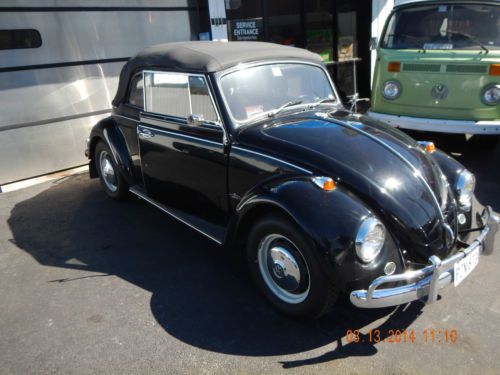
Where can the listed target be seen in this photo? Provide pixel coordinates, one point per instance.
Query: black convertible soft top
(205, 57)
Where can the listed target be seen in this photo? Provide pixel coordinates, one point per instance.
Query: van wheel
(112, 181)
(284, 267)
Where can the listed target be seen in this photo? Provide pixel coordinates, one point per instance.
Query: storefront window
(319, 28)
(244, 20)
(284, 22)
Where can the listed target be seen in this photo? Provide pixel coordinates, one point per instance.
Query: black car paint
(269, 164)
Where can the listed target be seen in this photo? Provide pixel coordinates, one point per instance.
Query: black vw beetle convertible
(248, 144)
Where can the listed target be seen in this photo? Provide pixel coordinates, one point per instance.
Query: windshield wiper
(470, 37)
(279, 109)
(321, 101)
(414, 39)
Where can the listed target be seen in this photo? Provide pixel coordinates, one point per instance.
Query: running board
(212, 231)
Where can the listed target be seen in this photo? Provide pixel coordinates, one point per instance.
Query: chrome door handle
(145, 133)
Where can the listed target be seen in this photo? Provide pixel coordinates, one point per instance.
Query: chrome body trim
(141, 133)
(272, 158)
(136, 191)
(427, 281)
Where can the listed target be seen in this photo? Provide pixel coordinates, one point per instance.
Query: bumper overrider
(425, 283)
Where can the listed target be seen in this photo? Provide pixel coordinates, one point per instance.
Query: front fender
(450, 167)
(109, 132)
(330, 219)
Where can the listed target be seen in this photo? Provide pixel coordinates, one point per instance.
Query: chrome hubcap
(107, 171)
(283, 268)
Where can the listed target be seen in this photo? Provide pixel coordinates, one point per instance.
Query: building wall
(380, 11)
(51, 96)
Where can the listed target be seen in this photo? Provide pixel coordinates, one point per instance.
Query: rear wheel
(112, 181)
(284, 267)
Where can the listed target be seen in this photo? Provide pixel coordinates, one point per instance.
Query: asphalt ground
(89, 285)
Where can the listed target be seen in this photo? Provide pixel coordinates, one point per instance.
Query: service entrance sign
(246, 29)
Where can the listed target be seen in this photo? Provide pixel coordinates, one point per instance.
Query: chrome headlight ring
(370, 239)
(466, 183)
(391, 89)
(491, 94)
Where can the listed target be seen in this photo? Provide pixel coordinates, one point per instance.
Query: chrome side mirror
(195, 120)
(373, 43)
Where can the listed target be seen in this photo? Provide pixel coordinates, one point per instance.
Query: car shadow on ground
(200, 294)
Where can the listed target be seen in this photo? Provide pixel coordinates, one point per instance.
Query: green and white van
(438, 68)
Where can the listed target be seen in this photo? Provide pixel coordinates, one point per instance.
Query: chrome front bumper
(425, 283)
(439, 125)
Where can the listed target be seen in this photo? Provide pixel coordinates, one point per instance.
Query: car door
(181, 147)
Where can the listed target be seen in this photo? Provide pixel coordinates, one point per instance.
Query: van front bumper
(439, 125)
(424, 284)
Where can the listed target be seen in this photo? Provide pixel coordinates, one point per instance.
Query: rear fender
(107, 130)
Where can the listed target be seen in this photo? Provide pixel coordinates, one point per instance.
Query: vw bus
(438, 68)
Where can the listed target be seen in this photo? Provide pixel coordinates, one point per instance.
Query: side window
(201, 103)
(21, 38)
(167, 94)
(136, 93)
(178, 95)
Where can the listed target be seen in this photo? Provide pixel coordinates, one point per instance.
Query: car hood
(375, 162)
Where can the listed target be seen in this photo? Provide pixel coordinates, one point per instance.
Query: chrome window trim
(272, 158)
(210, 94)
(186, 75)
(179, 134)
(221, 74)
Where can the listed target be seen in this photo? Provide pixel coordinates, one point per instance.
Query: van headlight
(491, 95)
(392, 90)
(466, 183)
(370, 239)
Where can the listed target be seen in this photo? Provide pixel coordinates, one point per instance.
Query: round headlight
(392, 90)
(491, 95)
(370, 239)
(466, 184)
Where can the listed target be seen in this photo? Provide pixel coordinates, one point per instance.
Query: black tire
(321, 294)
(484, 142)
(118, 188)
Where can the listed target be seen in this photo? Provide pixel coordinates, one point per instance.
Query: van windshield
(444, 27)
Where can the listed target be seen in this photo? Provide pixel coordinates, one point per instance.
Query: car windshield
(271, 88)
(444, 27)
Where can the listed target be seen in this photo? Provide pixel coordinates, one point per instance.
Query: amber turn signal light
(325, 183)
(430, 147)
(495, 70)
(394, 67)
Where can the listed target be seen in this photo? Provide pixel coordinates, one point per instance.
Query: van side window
(136, 94)
(179, 95)
(21, 38)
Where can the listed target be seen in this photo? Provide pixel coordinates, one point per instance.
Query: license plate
(464, 267)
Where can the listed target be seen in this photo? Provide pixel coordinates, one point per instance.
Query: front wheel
(112, 181)
(284, 267)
